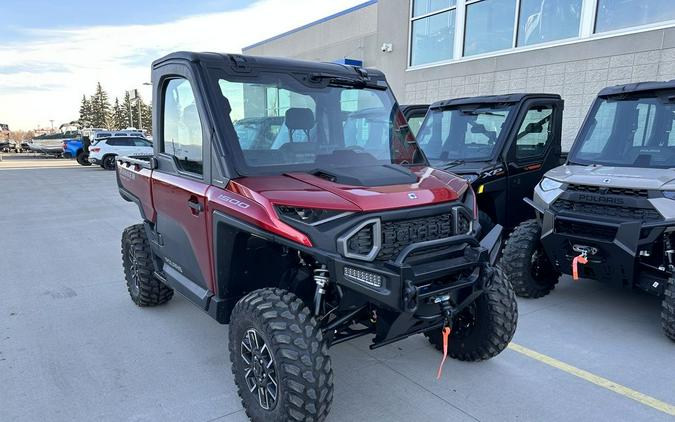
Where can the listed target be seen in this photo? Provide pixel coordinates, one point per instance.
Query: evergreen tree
(85, 112)
(118, 118)
(100, 106)
(127, 110)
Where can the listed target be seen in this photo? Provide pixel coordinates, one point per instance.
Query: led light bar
(365, 277)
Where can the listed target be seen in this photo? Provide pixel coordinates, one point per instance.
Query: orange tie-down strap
(575, 266)
(445, 333)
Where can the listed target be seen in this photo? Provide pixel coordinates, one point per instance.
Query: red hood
(305, 190)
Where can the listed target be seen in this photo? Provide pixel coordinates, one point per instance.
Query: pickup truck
(318, 241)
(502, 144)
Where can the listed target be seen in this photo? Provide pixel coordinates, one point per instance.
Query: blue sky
(52, 14)
(52, 52)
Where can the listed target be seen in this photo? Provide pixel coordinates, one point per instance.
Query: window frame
(587, 32)
(426, 16)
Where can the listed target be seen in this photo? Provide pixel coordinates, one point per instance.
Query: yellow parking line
(595, 379)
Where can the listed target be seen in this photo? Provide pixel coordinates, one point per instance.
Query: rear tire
(144, 288)
(296, 382)
(83, 159)
(108, 162)
(668, 310)
(485, 328)
(525, 263)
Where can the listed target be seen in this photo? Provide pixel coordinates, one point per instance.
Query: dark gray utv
(609, 213)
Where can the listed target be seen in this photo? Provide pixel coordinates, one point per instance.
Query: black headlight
(311, 216)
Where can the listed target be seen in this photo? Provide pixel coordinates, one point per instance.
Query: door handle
(195, 206)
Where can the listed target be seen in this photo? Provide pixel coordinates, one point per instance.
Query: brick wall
(577, 81)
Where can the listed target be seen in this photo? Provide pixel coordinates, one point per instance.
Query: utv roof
(243, 61)
(636, 88)
(490, 99)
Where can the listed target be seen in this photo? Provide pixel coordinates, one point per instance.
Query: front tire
(144, 288)
(668, 310)
(279, 359)
(108, 162)
(525, 263)
(485, 328)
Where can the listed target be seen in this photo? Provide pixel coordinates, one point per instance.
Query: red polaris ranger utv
(333, 227)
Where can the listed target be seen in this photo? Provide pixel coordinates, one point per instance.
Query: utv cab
(609, 213)
(501, 144)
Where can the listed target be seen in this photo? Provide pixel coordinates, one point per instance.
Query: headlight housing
(549, 184)
(670, 194)
(310, 216)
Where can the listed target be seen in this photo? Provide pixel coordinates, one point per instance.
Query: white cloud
(44, 77)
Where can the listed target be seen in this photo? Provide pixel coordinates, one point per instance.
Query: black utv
(502, 144)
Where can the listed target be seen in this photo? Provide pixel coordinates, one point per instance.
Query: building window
(489, 26)
(443, 30)
(619, 14)
(548, 20)
(433, 31)
(425, 7)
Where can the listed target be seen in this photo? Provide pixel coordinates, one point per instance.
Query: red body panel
(136, 180)
(305, 190)
(170, 197)
(252, 199)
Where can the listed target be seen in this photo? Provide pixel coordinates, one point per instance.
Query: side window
(535, 133)
(141, 143)
(113, 142)
(182, 127)
(414, 123)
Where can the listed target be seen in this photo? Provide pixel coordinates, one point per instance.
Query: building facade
(438, 49)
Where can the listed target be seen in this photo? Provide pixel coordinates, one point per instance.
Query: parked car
(52, 144)
(104, 152)
(502, 144)
(609, 213)
(25, 145)
(78, 149)
(5, 145)
(307, 245)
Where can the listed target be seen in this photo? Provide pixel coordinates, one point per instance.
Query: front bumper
(617, 246)
(408, 282)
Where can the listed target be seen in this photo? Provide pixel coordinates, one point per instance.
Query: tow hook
(447, 310)
(582, 258)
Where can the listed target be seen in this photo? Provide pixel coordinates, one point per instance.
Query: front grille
(611, 211)
(635, 193)
(376, 240)
(592, 231)
(396, 235)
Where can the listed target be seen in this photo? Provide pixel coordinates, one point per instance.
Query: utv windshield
(337, 124)
(628, 132)
(462, 134)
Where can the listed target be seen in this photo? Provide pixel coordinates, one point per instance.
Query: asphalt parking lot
(73, 347)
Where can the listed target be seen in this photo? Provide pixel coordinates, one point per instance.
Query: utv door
(534, 149)
(179, 188)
